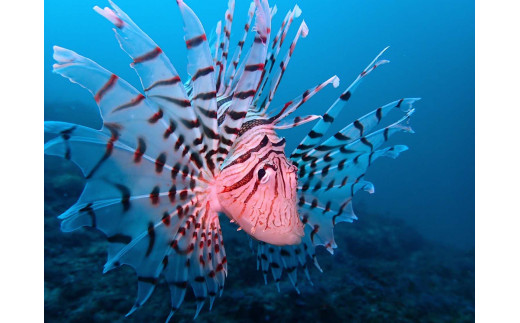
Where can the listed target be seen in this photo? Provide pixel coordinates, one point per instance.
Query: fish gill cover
(170, 158)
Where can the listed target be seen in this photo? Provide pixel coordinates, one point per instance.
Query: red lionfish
(166, 163)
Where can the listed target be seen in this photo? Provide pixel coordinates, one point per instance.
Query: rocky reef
(383, 270)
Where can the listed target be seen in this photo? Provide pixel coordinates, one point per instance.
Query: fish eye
(263, 176)
(261, 173)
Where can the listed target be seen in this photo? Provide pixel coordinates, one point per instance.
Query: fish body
(173, 156)
(257, 187)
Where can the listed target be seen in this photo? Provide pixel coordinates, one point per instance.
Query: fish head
(258, 192)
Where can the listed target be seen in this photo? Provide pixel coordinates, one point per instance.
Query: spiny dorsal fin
(248, 83)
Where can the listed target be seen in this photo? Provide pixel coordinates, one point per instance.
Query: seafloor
(383, 271)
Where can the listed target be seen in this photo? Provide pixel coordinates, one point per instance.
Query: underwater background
(409, 257)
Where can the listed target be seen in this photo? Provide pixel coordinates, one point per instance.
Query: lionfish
(170, 158)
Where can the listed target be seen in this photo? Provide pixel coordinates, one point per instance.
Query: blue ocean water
(430, 187)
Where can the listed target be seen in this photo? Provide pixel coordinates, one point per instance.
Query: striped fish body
(257, 186)
(172, 156)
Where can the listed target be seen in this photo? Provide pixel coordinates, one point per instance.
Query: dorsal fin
(249, 80)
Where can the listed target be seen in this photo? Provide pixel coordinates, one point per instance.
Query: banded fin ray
(204, 265)
(297, 121)
(223, 49)
(303, 31)
(232, 69)
(215, 41)
(294, 104)
(131, 118)
(159, 79)
(276, 45)
(248, 82)
(134, 212)
(321, 209)
(290, 259)
(361, 126)
(202, 71)
(350, 154)
(134, 237)
(314, 136)
(85, 146)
